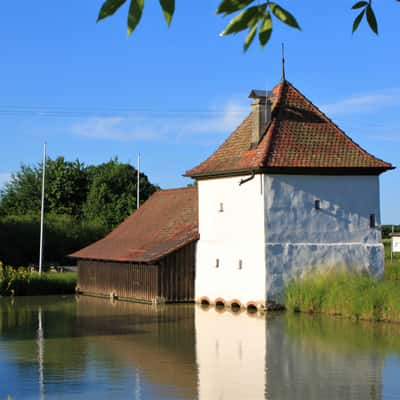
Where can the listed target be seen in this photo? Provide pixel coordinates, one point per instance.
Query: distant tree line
(387, 230)
(82, 204)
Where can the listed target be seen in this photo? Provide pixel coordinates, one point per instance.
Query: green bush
(22, 282)
(64, 234)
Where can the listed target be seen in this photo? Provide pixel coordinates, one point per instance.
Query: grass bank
(346, 295)
(349, 295)
(22, 282)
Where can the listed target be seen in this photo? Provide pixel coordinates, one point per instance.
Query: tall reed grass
(340, 293)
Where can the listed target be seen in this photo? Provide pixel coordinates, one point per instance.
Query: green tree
(112, 192)
(66, 189)
(251, 15)
(106, 192)
(82, 204)
(67, 186)
(21, 193)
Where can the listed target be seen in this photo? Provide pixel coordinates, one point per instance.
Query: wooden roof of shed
(167, 221)
(299, 139)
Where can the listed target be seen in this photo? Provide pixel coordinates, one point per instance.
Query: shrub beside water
(22, 282)
(64, 234)
(345, 294)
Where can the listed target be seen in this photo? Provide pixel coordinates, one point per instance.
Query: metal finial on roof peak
(283, 63)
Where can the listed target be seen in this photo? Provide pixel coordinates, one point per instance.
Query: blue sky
(174, 94)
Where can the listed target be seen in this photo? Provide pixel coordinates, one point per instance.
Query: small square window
(372, 221)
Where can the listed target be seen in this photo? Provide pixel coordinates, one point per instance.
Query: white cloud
(363, 103)
(4, 178)
(167, 126)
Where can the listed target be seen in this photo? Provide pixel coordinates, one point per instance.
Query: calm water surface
(88, 348)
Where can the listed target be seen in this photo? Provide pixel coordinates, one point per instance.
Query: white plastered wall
(236, 233)
(300, 238)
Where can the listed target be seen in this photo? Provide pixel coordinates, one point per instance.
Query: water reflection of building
(249, 357)
(231, 350)
(323, 359)
(193, 352)
(185, 352)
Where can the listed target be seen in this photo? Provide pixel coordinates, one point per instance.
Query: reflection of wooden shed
(158, 342)
(150, 257)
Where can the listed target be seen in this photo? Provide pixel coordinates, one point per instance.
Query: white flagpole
(138, 182)
(42, 210)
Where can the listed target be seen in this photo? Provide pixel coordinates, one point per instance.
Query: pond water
(88, 348)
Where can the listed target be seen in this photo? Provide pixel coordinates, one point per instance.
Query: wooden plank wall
(177, 275)
(172, 280)
(126, 280)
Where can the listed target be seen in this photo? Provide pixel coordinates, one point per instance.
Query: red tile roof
(298, 138)
(164, 223)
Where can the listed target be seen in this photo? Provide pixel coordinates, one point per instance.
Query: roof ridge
(327, 119)
(273, 122)
(177, 189)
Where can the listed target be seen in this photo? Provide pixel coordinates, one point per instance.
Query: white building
(286, 193)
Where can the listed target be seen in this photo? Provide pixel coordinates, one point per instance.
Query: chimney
(262, 105)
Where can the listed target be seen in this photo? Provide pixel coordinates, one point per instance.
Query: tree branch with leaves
(253, 18)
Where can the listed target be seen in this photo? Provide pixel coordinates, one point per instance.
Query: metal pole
(42, 210)
(138, 182)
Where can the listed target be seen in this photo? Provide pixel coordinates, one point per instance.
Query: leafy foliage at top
(135, 12)
(251, 15)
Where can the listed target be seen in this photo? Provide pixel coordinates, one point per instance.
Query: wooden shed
(150, 257)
